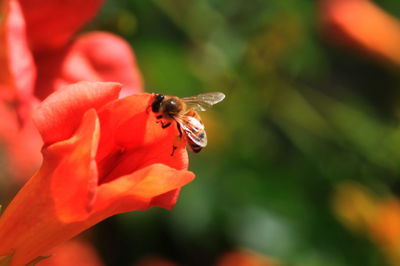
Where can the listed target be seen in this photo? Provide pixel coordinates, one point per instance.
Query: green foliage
(301, 116)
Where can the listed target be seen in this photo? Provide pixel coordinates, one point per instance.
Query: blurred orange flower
(244, 258)
(38, 54)
(102, 156)
(354, 205)
(74, 252)
(386, 229)
(154, 261)
(379, 218)
(363, 25)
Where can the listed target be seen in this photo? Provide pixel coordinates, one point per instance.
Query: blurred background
(303, 162)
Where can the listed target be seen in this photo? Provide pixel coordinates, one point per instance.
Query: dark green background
(301, 116)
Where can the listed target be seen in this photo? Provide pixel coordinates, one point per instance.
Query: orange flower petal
(137, 190)
(74, 170)
(166, 200)
(59, 115)
(363, 25)
(117, 64)
(52, 23)
(50, 208)
(85, 59)
(73, 253)
(18, 69)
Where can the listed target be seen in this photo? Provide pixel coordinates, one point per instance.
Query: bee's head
(156, 104)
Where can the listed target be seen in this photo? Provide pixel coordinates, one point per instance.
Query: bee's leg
(179, 129)
(173, 150)
(165, 125)
(177, 143)
(178, 140)
(162, 123)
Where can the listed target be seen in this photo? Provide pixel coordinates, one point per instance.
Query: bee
(184, 112)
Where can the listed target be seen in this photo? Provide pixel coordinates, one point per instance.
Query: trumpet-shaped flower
(101, 156)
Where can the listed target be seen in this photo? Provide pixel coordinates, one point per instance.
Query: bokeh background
(304, 151)
(303, 162)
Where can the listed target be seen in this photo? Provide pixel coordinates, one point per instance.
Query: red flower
(39, 55)
(96, 56)
(242, 257)
(364, 26)
(76, 252)
(102, 156)
(154, 261)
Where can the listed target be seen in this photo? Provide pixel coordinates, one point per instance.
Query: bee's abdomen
(194, 147)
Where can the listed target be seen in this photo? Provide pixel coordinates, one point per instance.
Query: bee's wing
(193, 128)
(203, 101)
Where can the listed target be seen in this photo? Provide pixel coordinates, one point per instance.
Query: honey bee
(184, 112)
